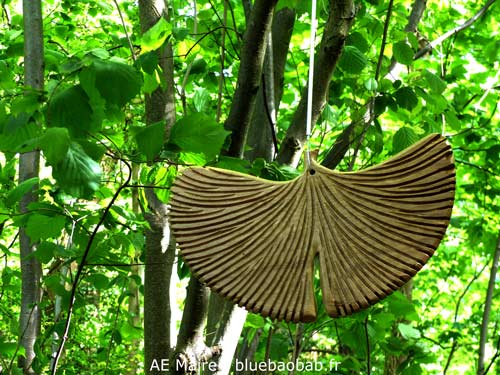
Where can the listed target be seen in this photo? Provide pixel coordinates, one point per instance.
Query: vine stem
(130, 45)
(81, 266)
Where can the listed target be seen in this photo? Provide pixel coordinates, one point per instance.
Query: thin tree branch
(453, 31)
(368, 349)
(82, 264)
(222, 62)
(487, 309)
(190, 65)
(224, 23)
(450, 356)
(270, 113)
(495, 357)
(130, 45)
(369, 116)
(384, 39)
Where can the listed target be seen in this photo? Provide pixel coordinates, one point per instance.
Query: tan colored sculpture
(255, 241)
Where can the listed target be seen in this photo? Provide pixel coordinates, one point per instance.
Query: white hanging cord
(310, 83)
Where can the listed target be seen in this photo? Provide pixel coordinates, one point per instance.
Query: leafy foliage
(89, 126)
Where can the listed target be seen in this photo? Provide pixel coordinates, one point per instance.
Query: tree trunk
(224, 326)
(192, 353)
(134, 305)
(29, 165)
(262, 132)
(160, 245)
(249, 76)
(158, 270)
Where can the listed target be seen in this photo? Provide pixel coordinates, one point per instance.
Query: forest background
(102, 103)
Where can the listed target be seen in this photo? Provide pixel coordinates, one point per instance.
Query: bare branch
(487, 309)
(130, 45)
(453, 31)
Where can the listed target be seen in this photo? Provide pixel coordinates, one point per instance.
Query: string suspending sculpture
(255, 241)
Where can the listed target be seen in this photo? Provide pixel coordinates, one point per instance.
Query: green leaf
(403, 138)
(401, 306)
(408, 332)
(406, 98)
(4, 212)
(45, 251)
(371, 84)
(8, 349)
(53, 58)
(40, 227)
(452, 120)
(150, 140)
(414, 369)
(375, 139)
(19, 191)
(99, 281)
(77, 174)
(155, 36)
(199, 66)
(18, 133)
(151, 82)
(148, 61)
(71, 109)
(180, 33)
(116, 83)
(55, 144)
(352, 60)
(199, 133)
(493, 153)
(435, 83)
(192, 158)
(234, 164)
(88, 81)
(357, 40)
(201, 99)
(403, 53)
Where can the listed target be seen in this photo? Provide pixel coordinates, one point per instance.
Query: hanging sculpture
(255, 241)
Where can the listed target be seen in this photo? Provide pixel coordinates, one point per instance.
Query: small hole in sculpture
(312, 172)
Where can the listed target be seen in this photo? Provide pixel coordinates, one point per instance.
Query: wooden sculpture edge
(248, 192)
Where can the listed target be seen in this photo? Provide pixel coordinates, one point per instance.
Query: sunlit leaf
(199, 133)
(371, 84)
(435, 83)
(408, 332)
(156, 35)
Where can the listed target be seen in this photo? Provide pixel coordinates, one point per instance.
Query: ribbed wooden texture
(255, 241)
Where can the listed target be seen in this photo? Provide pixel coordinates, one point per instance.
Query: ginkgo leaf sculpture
(255, 241)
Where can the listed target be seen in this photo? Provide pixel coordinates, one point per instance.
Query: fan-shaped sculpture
(255, 241)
